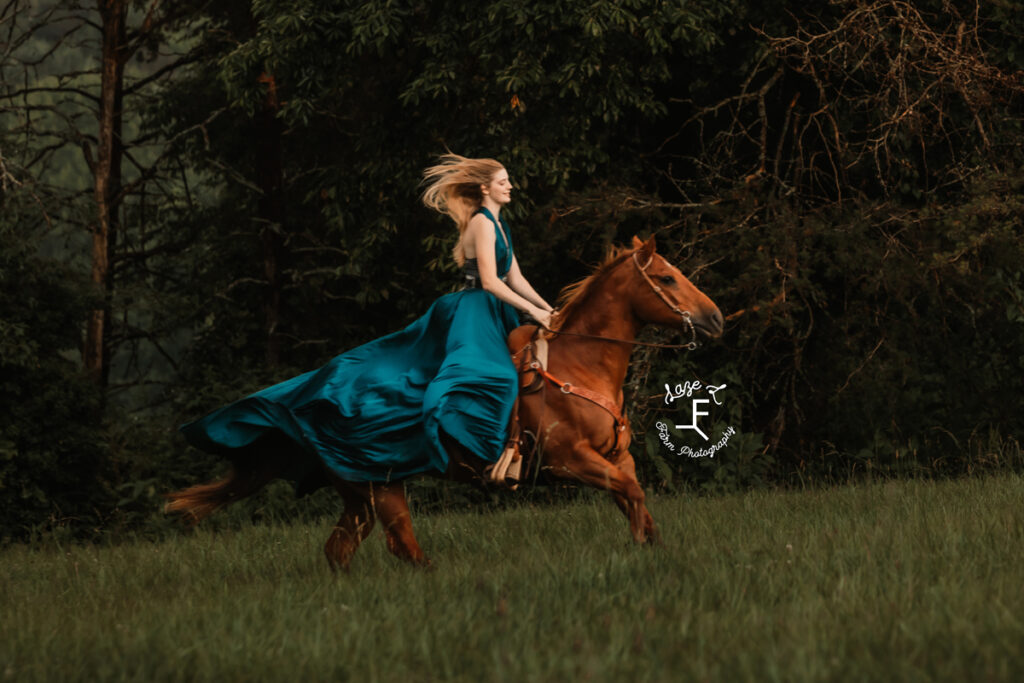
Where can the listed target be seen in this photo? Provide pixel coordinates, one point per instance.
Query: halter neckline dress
(374, 413)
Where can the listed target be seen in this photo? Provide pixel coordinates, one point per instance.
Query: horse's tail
(202, 500)
(251, 470)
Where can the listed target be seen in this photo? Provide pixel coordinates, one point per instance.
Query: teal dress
(375, 413)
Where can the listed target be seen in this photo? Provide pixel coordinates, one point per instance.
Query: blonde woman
(377, 413)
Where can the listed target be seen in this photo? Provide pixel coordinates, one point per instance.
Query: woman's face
(500, 189)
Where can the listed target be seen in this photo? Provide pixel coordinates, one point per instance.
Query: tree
(67, 72)
(368, 94)
(854, 185)
(84, 198)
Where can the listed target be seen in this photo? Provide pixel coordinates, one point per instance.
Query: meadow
(898, 580)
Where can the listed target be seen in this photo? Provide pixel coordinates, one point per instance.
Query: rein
(685, 315)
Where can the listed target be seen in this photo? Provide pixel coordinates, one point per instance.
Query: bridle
(685, 315)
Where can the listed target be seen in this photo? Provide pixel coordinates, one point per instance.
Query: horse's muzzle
(710, 323)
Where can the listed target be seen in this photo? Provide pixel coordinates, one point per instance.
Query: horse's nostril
(717, 320)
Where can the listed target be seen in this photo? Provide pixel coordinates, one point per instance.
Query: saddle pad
(541, 345)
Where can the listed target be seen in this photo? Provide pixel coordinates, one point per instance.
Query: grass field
(891, 581)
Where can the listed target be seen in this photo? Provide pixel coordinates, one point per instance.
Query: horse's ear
(645, 250)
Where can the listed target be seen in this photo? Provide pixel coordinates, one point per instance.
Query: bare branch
(160, 73)
(62, 89)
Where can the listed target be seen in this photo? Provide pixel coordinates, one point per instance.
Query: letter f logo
(696, 414)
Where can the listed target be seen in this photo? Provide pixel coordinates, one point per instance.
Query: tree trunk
(107, 185)
(271, 214)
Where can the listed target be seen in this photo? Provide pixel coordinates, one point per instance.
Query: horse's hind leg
(355, 524)
(393, 511)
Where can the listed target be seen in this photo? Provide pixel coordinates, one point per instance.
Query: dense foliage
(54, 464)
(843, 179)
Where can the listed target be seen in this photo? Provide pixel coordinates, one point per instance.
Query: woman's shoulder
(479, 228)
(480, 221)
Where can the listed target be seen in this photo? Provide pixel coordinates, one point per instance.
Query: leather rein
(684, 314)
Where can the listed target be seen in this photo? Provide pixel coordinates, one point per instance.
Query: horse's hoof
(338, 568)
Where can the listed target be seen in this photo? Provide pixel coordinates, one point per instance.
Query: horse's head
(661, 295)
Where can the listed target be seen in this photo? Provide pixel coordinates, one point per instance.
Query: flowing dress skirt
(375, 413)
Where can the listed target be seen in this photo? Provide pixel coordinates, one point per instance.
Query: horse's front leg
(392, 510)
(586, 465)
(623, 459)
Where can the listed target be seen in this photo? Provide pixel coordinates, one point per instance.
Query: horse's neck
(605, 361)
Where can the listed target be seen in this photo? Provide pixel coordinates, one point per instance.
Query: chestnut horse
(577, 417)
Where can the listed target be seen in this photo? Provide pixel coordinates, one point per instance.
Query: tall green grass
(901, 580)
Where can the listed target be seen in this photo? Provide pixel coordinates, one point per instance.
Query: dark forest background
(198, 199)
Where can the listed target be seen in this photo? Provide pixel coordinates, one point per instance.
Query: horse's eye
(668, 279)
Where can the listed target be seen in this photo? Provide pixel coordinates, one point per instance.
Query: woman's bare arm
(518, 282)
(481, 233)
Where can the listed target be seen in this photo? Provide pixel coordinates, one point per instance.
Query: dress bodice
(502, 249)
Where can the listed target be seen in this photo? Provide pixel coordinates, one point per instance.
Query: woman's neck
(492, 206)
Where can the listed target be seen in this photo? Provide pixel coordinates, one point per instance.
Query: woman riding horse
(378, 412)
(436, 396)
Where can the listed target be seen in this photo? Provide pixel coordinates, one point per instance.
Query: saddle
(531, 363)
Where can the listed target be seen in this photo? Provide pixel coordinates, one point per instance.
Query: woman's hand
(541, 316)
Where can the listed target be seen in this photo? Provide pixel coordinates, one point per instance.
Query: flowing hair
(453, 187)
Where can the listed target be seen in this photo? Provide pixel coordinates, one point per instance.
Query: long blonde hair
(454, 188)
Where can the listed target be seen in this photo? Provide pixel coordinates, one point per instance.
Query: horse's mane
(572, 296)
